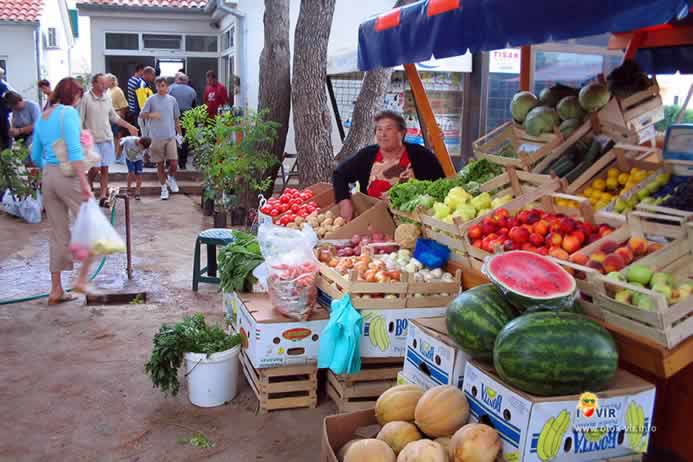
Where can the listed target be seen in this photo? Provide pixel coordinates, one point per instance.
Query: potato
(321, 217)
(339, 221)
(299, 220)
(329, 214)
(321, 231)
(313, 222)
(293, 226)
(327, 222)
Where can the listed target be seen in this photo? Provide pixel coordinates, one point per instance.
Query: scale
(678, 148)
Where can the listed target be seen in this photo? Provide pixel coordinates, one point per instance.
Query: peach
(541, 227)
(626, 254)
(605, 231)
(571, 244)
(653, 247)
(554, 239)
(579, 258)
(598, 256)
(638, 245)
(559, 253)
(613, 262)
(609, 246)
(543, 251)
(477, 243)
(580, 235)
(567, 225)
(594, 264)
(528, 247)
(536, 239)
(474, 232)
(519, 234)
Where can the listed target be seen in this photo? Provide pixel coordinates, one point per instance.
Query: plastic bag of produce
(291, 268)
(10, 203)
(93, 234)
(30, 209)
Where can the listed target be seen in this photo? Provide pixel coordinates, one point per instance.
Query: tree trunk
(312, 116)
(368, 103)
(275, 76)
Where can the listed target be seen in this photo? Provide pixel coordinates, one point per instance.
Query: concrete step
(153, 188)
(150, 175)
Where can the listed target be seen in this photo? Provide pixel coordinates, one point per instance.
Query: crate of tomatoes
(293, 203)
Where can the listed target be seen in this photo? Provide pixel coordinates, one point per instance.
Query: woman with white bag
(58, 152)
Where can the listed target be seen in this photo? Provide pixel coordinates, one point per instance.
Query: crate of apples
(533, 230)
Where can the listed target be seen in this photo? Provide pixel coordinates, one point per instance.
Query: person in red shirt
(215, 95)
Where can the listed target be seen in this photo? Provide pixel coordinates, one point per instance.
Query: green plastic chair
(212, 238)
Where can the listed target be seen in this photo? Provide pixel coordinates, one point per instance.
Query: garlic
(437, 273)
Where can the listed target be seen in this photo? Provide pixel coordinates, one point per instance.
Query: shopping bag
(9, 203)
(92, 234)
(339, 341)
(30, 208)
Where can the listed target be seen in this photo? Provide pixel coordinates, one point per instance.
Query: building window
(227, 39)
(52, 38)
(162, 41)
(201, 43)
(120, 41)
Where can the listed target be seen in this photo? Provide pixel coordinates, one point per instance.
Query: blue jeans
(135, 166)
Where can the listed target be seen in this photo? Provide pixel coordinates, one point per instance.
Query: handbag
(91, 157)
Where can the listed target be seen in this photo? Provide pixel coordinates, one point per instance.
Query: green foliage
(237, 261)
(670, 113)
(192, 335)
(198, 440)
(14, 175)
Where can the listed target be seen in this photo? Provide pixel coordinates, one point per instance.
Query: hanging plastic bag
(340, 340)
(30, 208)
(292, 269)
(262, 217)
(9, 203)
(93, 234)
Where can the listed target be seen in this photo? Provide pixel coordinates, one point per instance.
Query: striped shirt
(134, 83)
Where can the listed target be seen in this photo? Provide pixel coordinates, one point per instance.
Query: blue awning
(444, 28)
(666, 60)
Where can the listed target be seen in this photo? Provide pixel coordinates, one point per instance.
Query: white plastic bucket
(212, 381)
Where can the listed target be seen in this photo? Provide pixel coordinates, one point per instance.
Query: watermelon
(475, 317)
(531, 281)
(551, 354)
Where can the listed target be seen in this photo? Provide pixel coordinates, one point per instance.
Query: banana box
(384, 333)
(432, 357)
(613, 423)
(270, 339)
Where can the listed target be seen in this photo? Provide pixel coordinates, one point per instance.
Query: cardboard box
(432, 357)
(520, 417)
(271, 339)
(385, 331)
(368, 211)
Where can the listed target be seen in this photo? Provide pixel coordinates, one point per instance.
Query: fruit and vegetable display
(536, 231)
(237, 261)
(558, 107)
(413, 194)
(578, 158)
(613, 256)
(430, 426)
(644, 277)
(458, 204)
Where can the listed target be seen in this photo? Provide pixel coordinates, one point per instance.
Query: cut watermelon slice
(531, 282)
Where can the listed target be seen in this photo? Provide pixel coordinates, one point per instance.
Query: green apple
(639, 273)
(646, 303)
(685, 290)
(662, 288)
(662, 278)
(623, 296)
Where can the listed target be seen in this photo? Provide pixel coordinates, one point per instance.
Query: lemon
(612, 183)
(588, 192)
(593, 200)
(623, 178)
(599, 184)
(613, 172)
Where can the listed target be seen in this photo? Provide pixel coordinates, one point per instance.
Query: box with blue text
(432, 357)
(615, 422)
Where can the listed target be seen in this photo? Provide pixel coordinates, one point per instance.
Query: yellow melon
(369, 450)
(345, 448)
(398, 434)
(441, 411)
(423, 451)
(444, 441)
(474, 443)
(398, 403)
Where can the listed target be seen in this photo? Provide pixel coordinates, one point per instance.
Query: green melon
(551, 354)
(475, 317)
(531, 282)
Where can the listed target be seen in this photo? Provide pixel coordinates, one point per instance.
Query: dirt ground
(72, 382)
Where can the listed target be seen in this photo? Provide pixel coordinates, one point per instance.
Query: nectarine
(570, 244)
(638, 246)
(613, 262)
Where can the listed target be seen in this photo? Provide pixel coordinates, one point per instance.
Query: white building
(36, 39)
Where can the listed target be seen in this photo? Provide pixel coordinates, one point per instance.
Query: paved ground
(72, 386)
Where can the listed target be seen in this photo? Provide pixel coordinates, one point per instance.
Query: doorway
(124, 66)
(168, 67)
(197, 71)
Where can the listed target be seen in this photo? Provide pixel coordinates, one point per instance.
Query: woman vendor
(380, 166)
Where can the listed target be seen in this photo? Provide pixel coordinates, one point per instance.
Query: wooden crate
(353, 392)
(431, 292)
(632, 119)
(667, 324)
(283, 387)
(529, 150)
(557, 152)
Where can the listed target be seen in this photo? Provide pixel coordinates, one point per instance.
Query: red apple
(567, 225)
(488, 228)
(474, 232)
(519, 234)
(536, 239)
(477, 243)
(522, 216)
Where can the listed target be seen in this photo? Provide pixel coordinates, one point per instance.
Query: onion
(357, 250)
(378, 237)
(355, 239)
(474, 443)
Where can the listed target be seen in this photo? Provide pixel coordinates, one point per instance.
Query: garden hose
(91, 278)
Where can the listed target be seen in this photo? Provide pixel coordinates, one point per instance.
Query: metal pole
(335, 108)
(128, 239)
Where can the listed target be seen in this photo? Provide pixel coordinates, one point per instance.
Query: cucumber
(589, 158)
(561, 169)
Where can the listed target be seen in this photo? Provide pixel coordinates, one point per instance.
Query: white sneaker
(171, 181)
(164, 192)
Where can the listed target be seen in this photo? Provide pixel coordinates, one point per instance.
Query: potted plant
(200, 136)
(19, 185)
(211, 360)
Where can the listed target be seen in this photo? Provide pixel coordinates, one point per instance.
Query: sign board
(505, 61)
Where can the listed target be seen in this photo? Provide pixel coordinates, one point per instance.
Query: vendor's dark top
(358, 168)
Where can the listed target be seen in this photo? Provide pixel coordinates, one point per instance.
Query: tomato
(291, 191)
(296, 201)
(304, 196)
(283, 208)
(313, 204)
(274, 212)
(284, 199)
(291, 217)
(303, 213)
(285, 220)
(265, 209)
(310, 209)
(309, 192)
(295, 208)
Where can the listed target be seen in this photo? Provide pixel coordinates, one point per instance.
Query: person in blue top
(62, 194)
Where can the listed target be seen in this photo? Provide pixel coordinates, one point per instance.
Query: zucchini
(577, 171)
(564, 167)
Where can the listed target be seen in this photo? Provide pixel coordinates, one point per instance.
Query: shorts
(107, 153)
(163, 149)
(135, 166)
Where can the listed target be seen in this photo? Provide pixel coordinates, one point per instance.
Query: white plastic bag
(30, 209)
(261, 217)
(292, 269)
(9, 203)
(93, 234)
